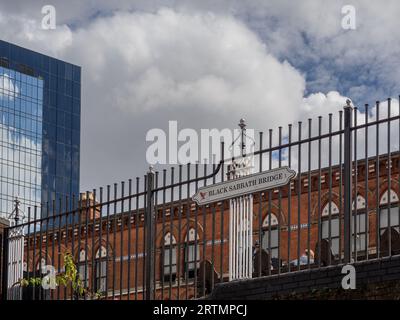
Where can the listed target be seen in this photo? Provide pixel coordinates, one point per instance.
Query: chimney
(89, 207)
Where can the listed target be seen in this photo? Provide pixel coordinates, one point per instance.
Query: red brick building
(109, 249)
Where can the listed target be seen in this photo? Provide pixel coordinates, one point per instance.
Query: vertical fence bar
(279, 199)
(213, 233)
(34, 248)
(59, 239)
(149, 245)
(4, 284)
(107, 239)
(155, 222)
(354, 210)
(129, 235)
(92, 217)
(299, 197)
(137, 221)
(172, 245)
(121, 261)
(142, 219)
(347, 181)
(319, 192)
(179, 244)
(186, 258)
(222, 214)
(115, 226)
(101, 235)
(366, 173)
(79, 214)
(28, 248)
(72, 238)
(270, 201)
(84, 201)
(196, 231)
(289, 197)
(377, 189)
(309, 195)
(162, 271)
(203, 210)
(330, 181)
(260, 211)
(389, 173)
(66, 208)
(398, 166)
(340, 183)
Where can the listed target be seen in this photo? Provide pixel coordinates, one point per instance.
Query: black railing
(147, 239)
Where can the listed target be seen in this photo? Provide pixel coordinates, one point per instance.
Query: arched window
(360, 223)
(169, 260)
(360, 202)
(192, 253)
(83, 268)
(101, 270)
(330, 225)
(270, 235)
(385, 198)
(41, 264)
(386, 206)
(334, 209)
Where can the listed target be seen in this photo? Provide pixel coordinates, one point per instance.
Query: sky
(206, 64)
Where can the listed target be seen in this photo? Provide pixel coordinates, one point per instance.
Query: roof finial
(348, 104)
(16, 213)
(242, 126)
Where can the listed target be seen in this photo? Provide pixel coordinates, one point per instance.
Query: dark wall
(375, 279)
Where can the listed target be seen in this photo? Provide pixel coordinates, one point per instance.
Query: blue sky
(206, 64)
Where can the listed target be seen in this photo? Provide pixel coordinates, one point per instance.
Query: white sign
(245, 185)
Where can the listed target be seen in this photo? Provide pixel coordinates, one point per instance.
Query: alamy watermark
(349, 17)
(49, 20)
(191, 146)
(349, 280)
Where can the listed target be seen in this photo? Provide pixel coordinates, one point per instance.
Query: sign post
(244, 185)
(240, 193)
(239, 189)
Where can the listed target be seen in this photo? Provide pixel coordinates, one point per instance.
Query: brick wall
(375, 279)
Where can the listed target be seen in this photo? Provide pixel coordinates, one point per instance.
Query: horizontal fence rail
(147, 239)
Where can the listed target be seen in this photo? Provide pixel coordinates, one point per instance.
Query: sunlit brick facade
(204, 232)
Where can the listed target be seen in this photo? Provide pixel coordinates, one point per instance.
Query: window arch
(169, 259)
(388, 214)
(271, 217)
(270, 235)
(333, 207)
(385, 199)
(192, 253)
(101, 270)
(40, 264)
(360, 201)
(330, 225)
(83, 268)
(360, 224)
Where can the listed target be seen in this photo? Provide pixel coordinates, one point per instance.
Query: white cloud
(7, 87)
(172, 60)
(141, 69)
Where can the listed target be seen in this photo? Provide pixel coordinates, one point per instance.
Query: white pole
(241, 237)
(230, 238)
(250, 237)
(244, 237)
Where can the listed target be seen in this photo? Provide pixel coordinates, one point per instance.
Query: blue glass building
(40, 105)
